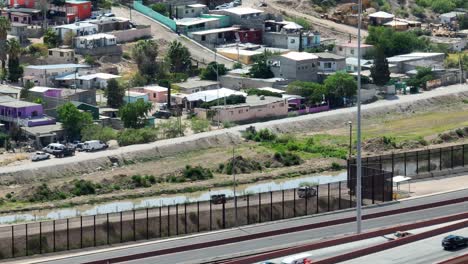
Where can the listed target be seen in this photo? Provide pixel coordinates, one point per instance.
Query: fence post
(271, 206)
(328, 197)
(147, 223)
(177, 219)
(417, 162)
(383, 186)
(211, 215)
(13, 241)
(373, 189)
(294, 203)
(339, 195)
(282, 204)
(107, 228)
(185, 216)
(94, 230)
(40, 237)
(53, 233)
(68, 233)
(27, 248)
(198, 216)
(121, 226)
(317, 205)
(393, 163)
(81, 231)
(160, 221)
(306, 203)
(224, 214)
(134, 226)
(451, 157)
(259, 207)
(248, 209)
(463, 155)
(440, 158)
(428, 160)
(404, 158)
(168, 220)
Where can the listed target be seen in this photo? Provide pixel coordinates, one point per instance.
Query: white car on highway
(94, 145)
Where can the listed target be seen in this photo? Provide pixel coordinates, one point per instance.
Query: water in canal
(124, 205)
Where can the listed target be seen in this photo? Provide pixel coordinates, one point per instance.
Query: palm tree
(14, 49)
(5, 26)
(178, 57)
(15, 71)
(145, 53)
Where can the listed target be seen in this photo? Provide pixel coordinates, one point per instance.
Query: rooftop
(134, 94)
(68, 92)
(414, 56)
(77, 25)
(243, 11)
(329, 56)
(253, 100)
(62, 49)
(155, 88)
(18, 104)
(299, 56)
(6, 98)
(195, 83)
(354, 62)
(25, 10)
(189, 21)
(41, 89)
(100, 75)
(381, 14)
(216, 30)
(7, 89)
(354, 45)
(96, 36)
(196, 5)
(274, 90)
(395, 23)
(210, 95)
(43, 130)
(452, 14)
(56, 66)
(76, 2)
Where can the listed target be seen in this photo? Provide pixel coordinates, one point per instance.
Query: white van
(93, 145)
(296, 259)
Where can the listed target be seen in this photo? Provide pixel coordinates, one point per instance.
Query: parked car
(454, 242)
(218, 198)
(94, 145)
(162, 114)
(398, 235)
(59, 150)
(38, 156)
(306, 192)
(109, 15)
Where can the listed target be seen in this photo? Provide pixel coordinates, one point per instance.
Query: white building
(44, 75)
(350, 49)
(95, 41)
(96, 80)
(78, 29)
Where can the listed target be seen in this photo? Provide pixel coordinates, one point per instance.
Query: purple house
(24, 114)
(46, 91)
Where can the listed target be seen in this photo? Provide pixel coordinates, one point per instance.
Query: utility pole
(234, 184)
(462, 78)
(217, 80)
(358, 145)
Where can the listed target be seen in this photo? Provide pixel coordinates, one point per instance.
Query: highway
(422, 252)
(262, 244)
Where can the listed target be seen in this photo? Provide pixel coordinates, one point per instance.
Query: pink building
(156, 93)
(254, 109)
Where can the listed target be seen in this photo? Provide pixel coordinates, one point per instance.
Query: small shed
(132, 97)
(93, 110)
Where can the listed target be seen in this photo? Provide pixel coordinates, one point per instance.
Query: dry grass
(14, 158)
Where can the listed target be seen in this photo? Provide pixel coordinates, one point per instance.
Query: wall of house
(348, 52)
(100, 51)
(25, 3)
(295, 70)
(238, 82)
(186, 11)
(83, 10)
(339, 65)
(251, 36)
(82, 31)
(55, 58)
(158, 97)
(21, 112)
(40, 80)
(140, 32)
(275, 39)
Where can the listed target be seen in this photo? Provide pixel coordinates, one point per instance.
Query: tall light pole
(358, 131)
(217, 80)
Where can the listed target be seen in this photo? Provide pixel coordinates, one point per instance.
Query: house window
(292, 41)
(61, 54)
(352, 51)
(203, 38)
(34, 113)
(220, 35)
(50, 53)
(15, 19)
(154, 95)
(193, 11)
(232, 112)
(246, 110)
(281, 104)
(19, 114)
(186, 11)
(340, 49)
(327, 65)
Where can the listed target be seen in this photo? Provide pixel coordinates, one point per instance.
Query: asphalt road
(198, 52)
(202, 255)
(421, 252)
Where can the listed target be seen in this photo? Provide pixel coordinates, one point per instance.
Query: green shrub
(335, 166)
(263, 135)
(237, 65)
(199, 125)
(132, 136)
(90, 60)
(143, 181)
(126, 56)
(43, 193)
(228, 124)
(308, 184)
(98, 132)
(197, 173)
(83, 187)
(287, 158)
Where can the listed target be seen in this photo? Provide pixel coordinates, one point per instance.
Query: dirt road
(199, 53)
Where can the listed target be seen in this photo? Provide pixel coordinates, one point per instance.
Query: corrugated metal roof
(56, 66)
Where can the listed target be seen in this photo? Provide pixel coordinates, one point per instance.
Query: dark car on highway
(162, 114)
(218, 198)
(454, 242)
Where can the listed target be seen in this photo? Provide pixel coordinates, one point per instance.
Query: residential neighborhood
(164, 103)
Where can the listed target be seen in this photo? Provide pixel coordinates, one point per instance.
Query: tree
(313, 92)
(68, 38)
(340, 85)
(138, 80)
(15, 71)
(58, 2)
(423, 75)
(51, 39)
(133, 114)
(24, 93)
(209, 73)
(260, 68)
(73, 120)
(395, 43)
(5, 26)
(98, 132)
(379, 71)
(199, 125)
(161, 8)
(145, 53)
(178, 57)
(114, 94)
